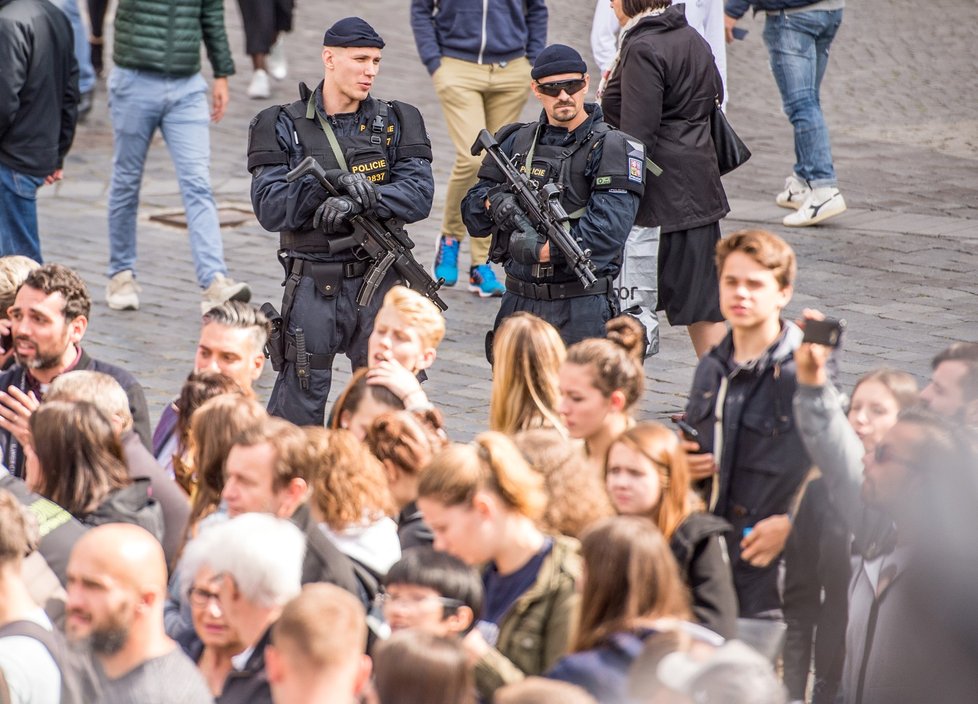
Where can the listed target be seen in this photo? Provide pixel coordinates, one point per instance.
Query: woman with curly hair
(526, 356)
(600, 382)
(405, 442)
(353, 504)
(576, 495)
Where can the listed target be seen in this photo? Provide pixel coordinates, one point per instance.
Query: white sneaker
(821, 204)
(260, 88)
(122, 291)
(277, 64)
(794, 194)
(223, 289)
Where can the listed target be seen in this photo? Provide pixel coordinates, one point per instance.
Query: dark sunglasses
(570, 86)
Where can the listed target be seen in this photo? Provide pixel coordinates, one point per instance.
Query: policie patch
(634, 169)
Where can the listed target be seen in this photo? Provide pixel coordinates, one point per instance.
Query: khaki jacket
(537, 630)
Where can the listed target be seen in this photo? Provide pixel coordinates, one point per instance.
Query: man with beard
(48, 320)
(116, 592)
(600, 174)
(953, 388)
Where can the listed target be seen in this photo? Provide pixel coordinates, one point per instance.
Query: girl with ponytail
(600, 382)
(482, 501)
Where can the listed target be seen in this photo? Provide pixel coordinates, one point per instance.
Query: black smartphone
(689, 432)
(739, 32)
(824, 332)
(6, 341)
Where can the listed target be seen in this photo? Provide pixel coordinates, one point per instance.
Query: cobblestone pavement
(899, 99)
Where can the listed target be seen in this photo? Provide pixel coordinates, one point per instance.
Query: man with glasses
(601, 175)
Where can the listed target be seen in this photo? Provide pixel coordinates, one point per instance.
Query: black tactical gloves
(356, 186)
(524, 242)
(334, 213)
(505, 211)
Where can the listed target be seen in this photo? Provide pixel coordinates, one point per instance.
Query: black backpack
(78, 681)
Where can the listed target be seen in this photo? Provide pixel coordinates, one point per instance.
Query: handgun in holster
(275, 346)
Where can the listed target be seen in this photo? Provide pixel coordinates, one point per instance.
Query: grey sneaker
(223, 289)
(122, 291)
(794, 194)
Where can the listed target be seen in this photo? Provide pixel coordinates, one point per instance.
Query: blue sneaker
(482, 280)
(446, 260)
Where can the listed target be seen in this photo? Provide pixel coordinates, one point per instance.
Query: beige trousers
(474, 96)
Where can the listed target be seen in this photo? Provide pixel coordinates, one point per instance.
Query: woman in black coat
(662, 90)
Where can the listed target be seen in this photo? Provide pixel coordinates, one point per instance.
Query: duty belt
(326, 277)
(556, 292)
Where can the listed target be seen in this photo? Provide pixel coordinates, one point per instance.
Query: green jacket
(536, 632)
(164, 36)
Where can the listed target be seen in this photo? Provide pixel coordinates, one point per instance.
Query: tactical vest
(367, 152)
(563, 165)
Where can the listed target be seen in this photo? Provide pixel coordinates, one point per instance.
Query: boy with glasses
(431, 591)
(600, 174)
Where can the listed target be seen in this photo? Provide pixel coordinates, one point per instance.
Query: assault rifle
(384, 241)
(544, 213)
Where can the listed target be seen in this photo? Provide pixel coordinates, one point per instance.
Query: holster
(275, 345)
(284, 346)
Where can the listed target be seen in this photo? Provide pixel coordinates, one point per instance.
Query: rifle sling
(334, 144)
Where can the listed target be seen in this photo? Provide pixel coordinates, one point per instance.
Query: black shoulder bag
(731, 150)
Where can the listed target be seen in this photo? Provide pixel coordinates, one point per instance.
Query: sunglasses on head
(570, 86)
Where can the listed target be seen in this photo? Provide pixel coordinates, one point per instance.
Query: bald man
(116, 591)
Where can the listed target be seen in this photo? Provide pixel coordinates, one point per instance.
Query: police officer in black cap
(378, 156)
(601, 173)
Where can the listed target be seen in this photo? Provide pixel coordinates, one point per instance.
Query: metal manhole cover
(227, 216)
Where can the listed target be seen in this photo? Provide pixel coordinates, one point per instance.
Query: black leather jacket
(38, 87)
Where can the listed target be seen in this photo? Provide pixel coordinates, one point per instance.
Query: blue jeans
(798, 46)
(18, 214)
(83, 50)
(139, 103)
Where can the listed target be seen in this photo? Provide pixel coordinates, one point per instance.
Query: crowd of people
(782, 541)
(238, 557)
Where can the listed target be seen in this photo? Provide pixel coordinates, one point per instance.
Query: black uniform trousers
(330, 325)
(576, 319)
